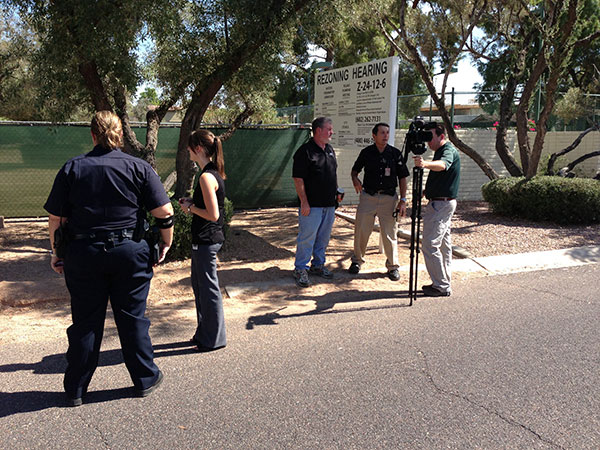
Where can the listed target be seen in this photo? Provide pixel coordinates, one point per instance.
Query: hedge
(551, 198)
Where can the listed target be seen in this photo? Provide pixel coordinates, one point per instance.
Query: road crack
(95, 427)
(427, 372)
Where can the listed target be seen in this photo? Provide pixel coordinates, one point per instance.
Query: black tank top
(206, 232)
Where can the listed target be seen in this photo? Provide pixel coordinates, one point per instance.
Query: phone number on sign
(367, 119)
(370, 85)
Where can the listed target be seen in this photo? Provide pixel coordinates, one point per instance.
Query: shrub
(182, 234)
(556, 199)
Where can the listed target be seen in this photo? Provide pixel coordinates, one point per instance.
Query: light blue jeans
(314, 231)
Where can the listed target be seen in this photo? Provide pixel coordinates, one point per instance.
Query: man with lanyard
(384, 170)
(441, 189)
(315, 179)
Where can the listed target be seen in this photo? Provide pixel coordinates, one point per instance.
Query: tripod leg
(415, 230)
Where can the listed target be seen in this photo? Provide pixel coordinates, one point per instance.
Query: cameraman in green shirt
(441, 189)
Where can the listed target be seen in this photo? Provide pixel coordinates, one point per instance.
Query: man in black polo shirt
(441, 189)
(384, 170)
(315, 179)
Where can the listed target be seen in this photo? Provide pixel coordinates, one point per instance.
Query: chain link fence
(302, 114)
(480, 110)
(467, 110)
(258, 162)
(258, 157)
(32, 153)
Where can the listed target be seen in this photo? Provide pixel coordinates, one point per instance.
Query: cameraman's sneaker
(301, 277)
(321, 271)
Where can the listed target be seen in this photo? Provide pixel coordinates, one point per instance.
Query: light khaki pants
(437, 244)
(382, 206)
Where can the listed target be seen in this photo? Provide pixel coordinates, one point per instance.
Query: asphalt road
(508, 361)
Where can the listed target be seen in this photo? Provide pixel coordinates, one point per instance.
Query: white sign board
(356, 98)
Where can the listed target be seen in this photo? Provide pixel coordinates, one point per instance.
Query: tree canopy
(75, 57)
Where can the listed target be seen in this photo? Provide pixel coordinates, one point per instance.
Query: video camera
(417, 136)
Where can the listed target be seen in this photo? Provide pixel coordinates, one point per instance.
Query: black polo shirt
(318, 168)
(103, 190)
(383, 170)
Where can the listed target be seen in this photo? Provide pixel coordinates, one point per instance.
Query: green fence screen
(257, 162)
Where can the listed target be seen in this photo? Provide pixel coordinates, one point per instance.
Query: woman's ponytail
(218, 157)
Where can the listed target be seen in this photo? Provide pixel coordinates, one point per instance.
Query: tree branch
(570, 148)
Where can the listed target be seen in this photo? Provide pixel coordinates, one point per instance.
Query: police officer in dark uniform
(98, 196)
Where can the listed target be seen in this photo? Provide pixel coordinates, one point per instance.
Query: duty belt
(104, 235)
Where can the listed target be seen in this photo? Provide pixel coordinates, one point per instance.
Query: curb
(492, 265)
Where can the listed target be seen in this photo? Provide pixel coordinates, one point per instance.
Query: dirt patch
(260, 249)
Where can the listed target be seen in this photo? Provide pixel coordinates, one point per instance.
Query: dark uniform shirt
(318, 168)
(103, 191)
(444, 183)
(206, 232)
(383, 170)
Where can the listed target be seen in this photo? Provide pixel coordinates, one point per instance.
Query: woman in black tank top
(207, 207)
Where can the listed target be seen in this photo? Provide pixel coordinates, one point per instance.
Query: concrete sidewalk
(523, 262)
(491, 265)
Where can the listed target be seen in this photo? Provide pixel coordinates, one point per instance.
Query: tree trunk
(501, 130)
(413, 56)
(237, 122)
(153, 119)
(186, 169)
(522, 119)
(559, 57)
(207, 88)
(94, 85)
(487, 169)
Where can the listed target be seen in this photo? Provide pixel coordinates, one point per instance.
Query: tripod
(415, 229)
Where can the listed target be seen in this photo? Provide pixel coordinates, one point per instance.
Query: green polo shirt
(444, 183)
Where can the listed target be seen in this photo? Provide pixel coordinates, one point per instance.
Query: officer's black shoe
(146, 392)
(430, 291)
(354, 268)
(393, 275)
(74, 401)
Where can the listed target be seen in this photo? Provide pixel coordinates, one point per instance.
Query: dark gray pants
(209, 303)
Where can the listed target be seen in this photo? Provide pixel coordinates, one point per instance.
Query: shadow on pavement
(56, 364)
(585, 254)
(326, 302)
(22, 402)
(30, 401)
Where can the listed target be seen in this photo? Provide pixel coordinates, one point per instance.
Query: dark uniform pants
(95, 272)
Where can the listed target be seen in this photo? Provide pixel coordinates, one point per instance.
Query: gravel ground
(260, 248)
(483, 233)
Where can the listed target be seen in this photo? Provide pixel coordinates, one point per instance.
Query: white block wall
(484, 141)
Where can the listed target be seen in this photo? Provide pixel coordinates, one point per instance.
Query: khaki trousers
(382, 206)
(437, 244)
